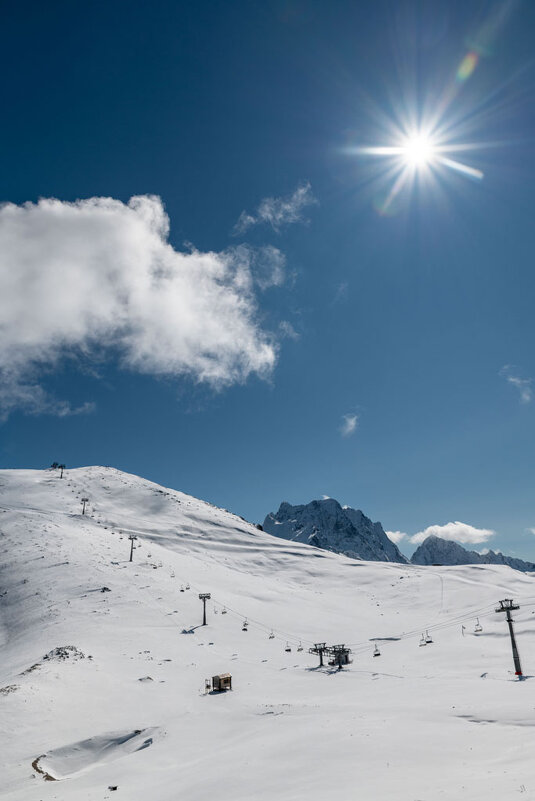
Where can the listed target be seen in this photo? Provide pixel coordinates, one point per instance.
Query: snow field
(443, 721)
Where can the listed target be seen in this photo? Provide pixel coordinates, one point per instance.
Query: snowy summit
(326, 524)
(436, 550)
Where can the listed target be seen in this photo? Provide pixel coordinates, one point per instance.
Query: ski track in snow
(104, 661)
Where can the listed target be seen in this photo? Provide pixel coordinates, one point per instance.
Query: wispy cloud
(31, 398)
(531, 530)
(99, 275)
(278, 211)
(523, 385)
(349, 424)
(340, 293)
(457, 531)
(395, 536)
(287, 330)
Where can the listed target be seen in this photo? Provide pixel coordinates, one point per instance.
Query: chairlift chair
(422, 641)
(288, 649)
(224, 610)
(181, 588)
(271, 635)
(245, 624)
(478, 627)
(187, 586)
(376, 651)
(428, 638)
(299, 647)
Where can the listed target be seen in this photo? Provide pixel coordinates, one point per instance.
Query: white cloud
(278, 211)
(395, 536)
(523, 385)
(531, 530)
(457, 531)
(100, 274)
(349, 424)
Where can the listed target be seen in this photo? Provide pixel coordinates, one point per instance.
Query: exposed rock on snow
(437, 551)
(65, 652)
(328, 525)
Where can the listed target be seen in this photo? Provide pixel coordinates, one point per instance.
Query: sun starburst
(416, 154)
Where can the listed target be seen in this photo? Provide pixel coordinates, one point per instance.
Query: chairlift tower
(319, 649)
(340, 655)
(508, 606)
(131, 537)
(83, 501)
(204, 596)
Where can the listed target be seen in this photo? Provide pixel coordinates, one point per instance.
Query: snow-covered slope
(103, 661)
(435, 550)
(328, 525)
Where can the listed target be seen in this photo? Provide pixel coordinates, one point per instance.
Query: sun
(417, 155)
(417, 150)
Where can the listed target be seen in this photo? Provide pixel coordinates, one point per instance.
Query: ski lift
(428, 638)
(215, 610)
(181, 588)
(245, 624)
(271, 635)
(478, 627)
(300, 647)
(173, 574)
(376, 651)
(422, 641)
(187, 586)
(224, 610)
(288, 649)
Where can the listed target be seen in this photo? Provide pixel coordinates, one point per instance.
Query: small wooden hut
(222, 682)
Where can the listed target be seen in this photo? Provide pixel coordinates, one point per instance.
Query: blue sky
(334, 344)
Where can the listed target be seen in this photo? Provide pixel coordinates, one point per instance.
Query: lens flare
(467, 66)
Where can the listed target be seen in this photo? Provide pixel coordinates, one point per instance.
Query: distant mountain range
(328, 525)
(435, 550)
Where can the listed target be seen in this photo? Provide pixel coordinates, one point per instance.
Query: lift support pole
(132, 537)
(204, 596)
(508, 606)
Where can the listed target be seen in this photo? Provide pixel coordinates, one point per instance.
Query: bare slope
(124, 704)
